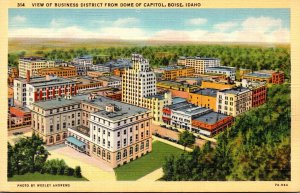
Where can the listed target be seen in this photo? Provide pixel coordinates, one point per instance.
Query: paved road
(153, 176)
(91, 168)
(13, 138)
(24, 130)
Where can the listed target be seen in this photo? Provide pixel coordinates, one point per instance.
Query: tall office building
(139, 88)
(198, 63)
(32, 65)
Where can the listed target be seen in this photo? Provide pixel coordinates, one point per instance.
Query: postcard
(164, 96)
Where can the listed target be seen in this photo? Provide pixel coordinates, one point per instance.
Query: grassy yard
(148, 163)
(44, 177)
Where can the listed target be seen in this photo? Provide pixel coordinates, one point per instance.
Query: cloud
(248, 30)
(58, 22)
(225, 26)
(261, 24)
(196, 21)
(18, 19)
(120, 22)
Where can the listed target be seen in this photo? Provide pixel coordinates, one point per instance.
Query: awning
(75, 141)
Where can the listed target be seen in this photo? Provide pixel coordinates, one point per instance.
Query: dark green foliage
(186, 138)
(256, 147)
(77, 172)
(29, 156)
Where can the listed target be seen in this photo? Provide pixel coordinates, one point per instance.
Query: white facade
(198, 63)
(228, 71)
(234, 101)
(33, 65)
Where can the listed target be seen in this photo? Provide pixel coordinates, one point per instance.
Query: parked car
(18, 133)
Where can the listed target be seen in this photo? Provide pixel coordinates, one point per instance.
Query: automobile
(18, 133)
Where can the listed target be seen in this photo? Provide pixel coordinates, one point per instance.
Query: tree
(9, 160)
(186, 138)
(77, 172)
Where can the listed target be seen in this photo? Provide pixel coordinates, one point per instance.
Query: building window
(147, 133)
(124, 142)
(78, 121)
(57, 127)
(103, 142)
(142, 135)
(142, 145)
(103, 131)
(118, 155)
(108, 143)
(51, 139)
(103, 153)
(99, 151)
(118, 144)
(118, 134)
(64, 125)
(124, 153)
(136, 137)
(124, 132)
(108, 133)
(51, 128)
(137, 148)
(130, 139)
(147, 143)
(57, 137)
(130, 129)
(131, 151)
(108, 156)
(73, 115)
(78, 114)
(73, 123)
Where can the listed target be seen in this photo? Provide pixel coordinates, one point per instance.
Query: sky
(209, 25)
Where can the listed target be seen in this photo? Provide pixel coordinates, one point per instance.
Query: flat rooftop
(207, 92)
(84, 80)
(41, 81)
(222, 68)
(58, 68)
(82, 129)
(123, 110)
(33, 58)
(110, 78)
(198, 58)
(236, 90)
(211, 118)
(172, 68)
(176, 100)
(259, 75)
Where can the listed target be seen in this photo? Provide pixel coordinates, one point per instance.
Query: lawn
(44, 177)
(148, 163)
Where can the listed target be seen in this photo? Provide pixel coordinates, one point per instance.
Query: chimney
(28, 76)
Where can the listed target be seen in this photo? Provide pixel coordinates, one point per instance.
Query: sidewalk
(91, 168)
(153, 176)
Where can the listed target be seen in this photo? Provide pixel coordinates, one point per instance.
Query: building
(225, 70)
(92, 73)
(219, 85)
(244, 71)
(259, 92)
(139, 88)
(12, 74)
(18, 117)
(110, 81)
(199, 120)
(83, 64)
(211, 123)
(64, 72)
(10, 97)
(100, 68)
(85, 82)
(234, 101)
(198, 63)
(205, 98)
(190, 80)
(27, 91)
(111, 131)
(119, 72)
(268, 76)
(173, 72)
(178, 89)
(33, 64)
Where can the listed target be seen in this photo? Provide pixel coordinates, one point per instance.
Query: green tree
(77, 172)
(186, 138)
